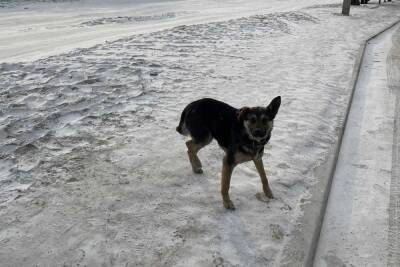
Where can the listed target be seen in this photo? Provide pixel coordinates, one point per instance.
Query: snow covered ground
(30, 30)
(364, 200)
(92, 170)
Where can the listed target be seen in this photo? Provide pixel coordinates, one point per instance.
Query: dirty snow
(93, 172)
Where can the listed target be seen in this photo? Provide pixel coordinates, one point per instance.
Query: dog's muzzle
(259, 133)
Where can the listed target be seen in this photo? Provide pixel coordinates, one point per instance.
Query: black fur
(208, 118)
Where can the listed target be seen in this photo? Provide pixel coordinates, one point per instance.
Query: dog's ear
(273, 107)
(241, 115)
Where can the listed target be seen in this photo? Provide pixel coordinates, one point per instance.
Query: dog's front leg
(264, 180)
(227, 169)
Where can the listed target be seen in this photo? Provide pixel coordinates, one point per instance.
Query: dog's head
(259, 121)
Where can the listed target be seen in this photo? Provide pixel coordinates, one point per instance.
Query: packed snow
(92, 170)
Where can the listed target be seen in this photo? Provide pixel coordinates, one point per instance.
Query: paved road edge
(300, 248)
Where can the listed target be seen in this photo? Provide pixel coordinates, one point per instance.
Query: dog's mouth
(258, 135)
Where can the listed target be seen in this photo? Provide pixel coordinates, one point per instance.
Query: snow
(93, 172)
(29, 31)
(357, 228)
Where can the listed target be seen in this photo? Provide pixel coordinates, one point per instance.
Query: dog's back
(208, 118)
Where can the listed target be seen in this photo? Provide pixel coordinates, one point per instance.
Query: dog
(241, 133)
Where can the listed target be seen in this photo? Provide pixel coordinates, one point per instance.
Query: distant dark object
(355, 2)
(154, 73)
(358, 2)
(347, 3)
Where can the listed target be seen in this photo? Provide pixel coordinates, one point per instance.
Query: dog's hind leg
(264, 180)
(193, 148)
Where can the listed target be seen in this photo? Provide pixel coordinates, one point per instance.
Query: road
(361, 225)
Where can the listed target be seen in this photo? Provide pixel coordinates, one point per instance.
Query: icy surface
(93, 172)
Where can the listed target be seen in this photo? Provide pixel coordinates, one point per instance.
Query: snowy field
(92, 171)
(30, 30)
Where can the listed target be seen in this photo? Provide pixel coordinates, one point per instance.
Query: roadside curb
(300, 249)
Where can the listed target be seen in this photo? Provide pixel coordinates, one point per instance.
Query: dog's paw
(268, 193)
(198, 170)
(261, 197)
(229, 205)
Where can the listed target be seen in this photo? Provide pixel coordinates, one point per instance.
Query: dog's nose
(259, 133)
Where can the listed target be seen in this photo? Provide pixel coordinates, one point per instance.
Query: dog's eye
(264, 121)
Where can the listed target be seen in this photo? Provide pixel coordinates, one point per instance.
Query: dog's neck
(250, 141)
(252, 147)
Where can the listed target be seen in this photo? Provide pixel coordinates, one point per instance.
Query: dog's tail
(181, 127)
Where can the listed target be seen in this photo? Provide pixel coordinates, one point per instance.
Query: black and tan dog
(242, 134)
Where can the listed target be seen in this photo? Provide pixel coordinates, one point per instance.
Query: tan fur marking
(264, 180)
(241, 157)
(193, 158)
(225, 183)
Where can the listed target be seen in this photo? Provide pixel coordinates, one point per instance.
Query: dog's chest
(248, 152)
